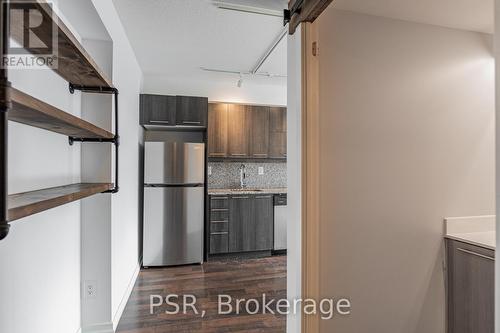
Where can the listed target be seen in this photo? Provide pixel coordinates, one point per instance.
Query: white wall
(127, 77)
(407, 138)
(223, 90)
(497, 95)
(40, 258)
(294, 171)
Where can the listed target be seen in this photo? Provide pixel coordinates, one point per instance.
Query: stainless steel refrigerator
(174, 178)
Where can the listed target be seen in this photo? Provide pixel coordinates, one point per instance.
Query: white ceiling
(472, 15)
(176, 37)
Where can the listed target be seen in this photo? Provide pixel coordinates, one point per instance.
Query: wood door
(241, 224)
(158, 110)
(471, 285)
(217, 129)
(238, 131)
(264, 221)
(192, 111)
(259, 131)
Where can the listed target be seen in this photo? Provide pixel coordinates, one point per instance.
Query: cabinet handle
(160, 121)
(192, 122)
(225, 221)
(219, 210)
(238, 154)
(219, 198)
(475, 254)
(264, 197)
(218, 233)
(259, 154)
(241, 197)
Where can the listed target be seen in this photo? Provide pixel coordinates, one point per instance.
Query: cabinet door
(238, 131)
(259, 131)
(278, 119)
(471, 274)
(158, 110)
(277, 145)
(217, 130)
(278, 132)
(192, 111)
(241, 224)
(264, 218)
(218, 242)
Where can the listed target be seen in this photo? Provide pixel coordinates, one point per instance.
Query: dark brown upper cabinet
(158, 110)
(238, 131)
(191, 111)
(217, 130)
(278, 132)
(246, 131)
(278, 119)
(259, 131)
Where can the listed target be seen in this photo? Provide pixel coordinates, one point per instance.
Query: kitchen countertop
(475, 230)
(226, 191)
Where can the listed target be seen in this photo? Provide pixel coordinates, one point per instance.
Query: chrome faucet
(242, 176)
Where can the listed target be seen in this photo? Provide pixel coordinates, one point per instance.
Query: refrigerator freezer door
(173, 225)
(174, 163)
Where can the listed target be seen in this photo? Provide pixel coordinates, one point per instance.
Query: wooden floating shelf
(75, 65)
(31, 111)
(29, 203)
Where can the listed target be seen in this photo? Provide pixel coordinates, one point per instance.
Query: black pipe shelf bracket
(115, 140)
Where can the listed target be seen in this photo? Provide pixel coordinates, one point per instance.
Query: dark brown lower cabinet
(241, 223)
(264, 220)
(471, 288)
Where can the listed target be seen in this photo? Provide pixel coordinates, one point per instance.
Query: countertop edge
(468, 240)
(261, 191)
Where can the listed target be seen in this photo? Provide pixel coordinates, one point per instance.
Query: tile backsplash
(227, 175)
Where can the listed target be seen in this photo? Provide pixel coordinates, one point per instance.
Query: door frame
(310, 173)
(303, 175)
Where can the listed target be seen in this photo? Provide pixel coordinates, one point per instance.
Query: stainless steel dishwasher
(280, 221)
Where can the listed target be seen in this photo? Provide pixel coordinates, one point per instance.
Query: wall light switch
(209, 170)
(261, 171)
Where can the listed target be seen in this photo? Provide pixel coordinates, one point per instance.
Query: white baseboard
(126, 296)
(98, 328)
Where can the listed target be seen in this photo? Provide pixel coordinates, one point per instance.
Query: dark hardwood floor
(240, 279)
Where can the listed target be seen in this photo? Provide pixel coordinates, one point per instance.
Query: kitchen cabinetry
(191, 111)
(471, 273)
(246, 131)
(158, 110)
(238, 131)
(264, 218)
(219, 224)
(217, 130)
(278, 132)
(259, 131)
(241, 223)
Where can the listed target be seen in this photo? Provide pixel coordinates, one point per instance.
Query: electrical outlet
(261, 171)
(209, 170)
(90, 289)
